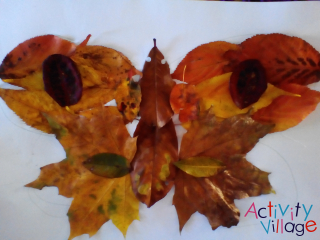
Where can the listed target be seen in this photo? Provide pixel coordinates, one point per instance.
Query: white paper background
(129, 26)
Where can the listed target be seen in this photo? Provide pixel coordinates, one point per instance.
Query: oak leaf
(227, 140)
(286, 59)
(204, 62)
(287, 111)
(95, 199)
(156, 85)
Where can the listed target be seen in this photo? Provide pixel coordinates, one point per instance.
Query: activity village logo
(272, 218)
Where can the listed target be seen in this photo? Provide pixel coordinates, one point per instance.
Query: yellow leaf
(215, 92)
(200, 166)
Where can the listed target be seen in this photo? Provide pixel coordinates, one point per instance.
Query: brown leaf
(286, 59)
(28, 56)
(287, 111)
(95, 199)
(153, 170)
(156, 85)
(227, 140)
(213, 137)
(204, 62)
(214, 196)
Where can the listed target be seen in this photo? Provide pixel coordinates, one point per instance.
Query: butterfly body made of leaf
(156, 85)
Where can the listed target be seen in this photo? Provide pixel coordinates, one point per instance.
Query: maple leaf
(227, 140)
(287, 111)
(156, 85)
(204, 62)
(95, 199)
(105, 75)
(286, 59)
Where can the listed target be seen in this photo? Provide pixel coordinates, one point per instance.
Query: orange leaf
(153, 169)
(286, 59)
(204, 62)
(95, 199)
(287, 111)
(156, 85)
(184, 100)
(28, 56)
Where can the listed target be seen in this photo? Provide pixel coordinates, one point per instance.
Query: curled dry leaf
(156, 85)
(204, 62)
(153, 170)
(286, 59)
(95, 199)
(287, 111)
(227, 140)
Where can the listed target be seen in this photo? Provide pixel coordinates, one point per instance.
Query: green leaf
(200, 166)
(108, 165)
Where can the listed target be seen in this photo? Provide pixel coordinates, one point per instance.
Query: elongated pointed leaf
(107, 165)
(200, 166)
(156, 85)
(153, 170)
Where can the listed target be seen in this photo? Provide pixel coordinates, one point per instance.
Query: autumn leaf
(226, 140)
(28, 56)
(153, 170)
(214, 196)
(156, 85)
(287, 111)
(200, 166)
(105, 76)
(215, 92)
(95, 199)
(185, 102)
(286, 59)
(204, 62)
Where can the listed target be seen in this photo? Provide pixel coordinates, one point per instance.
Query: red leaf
(288, 111)
(204, 62)
(28, 56)
(286, 59)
